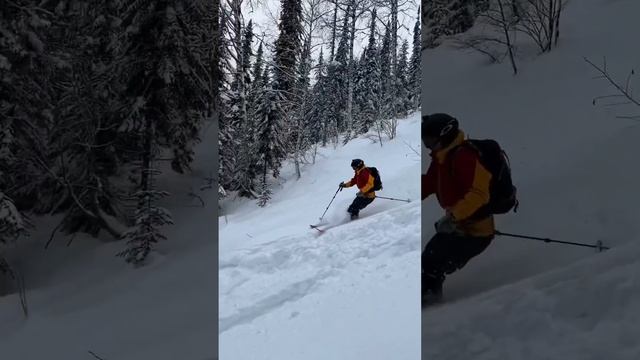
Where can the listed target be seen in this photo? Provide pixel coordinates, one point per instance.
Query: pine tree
(387, 91)
(167, 99)
(287, 49)
(337, 85)
(145, 233)
(247, 53)
(269, 131)
(245, 171)
(436, 17)
(368, 88)
(227, 132)
(319, 113)
(415, 68)
(257, 66)
(299, 131)
(402, 97)
(460, 17)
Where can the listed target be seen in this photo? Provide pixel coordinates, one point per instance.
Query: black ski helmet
(440, 127)
(356, 163)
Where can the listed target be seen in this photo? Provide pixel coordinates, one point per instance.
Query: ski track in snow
(319, 257)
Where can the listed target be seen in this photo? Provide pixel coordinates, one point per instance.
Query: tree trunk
(394, 35)
(557, 34)
(333, 31)
(550, 14)
(146, 155)
(352, 32)
(505, 28)
(215, 76)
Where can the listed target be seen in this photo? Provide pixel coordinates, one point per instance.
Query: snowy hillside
(575, 167)
(289, 292)
(82, 298)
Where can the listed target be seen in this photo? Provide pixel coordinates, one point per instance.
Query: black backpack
(377, 183)
(502, 191)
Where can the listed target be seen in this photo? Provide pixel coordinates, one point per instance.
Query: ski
(317, 228)
(324, 227)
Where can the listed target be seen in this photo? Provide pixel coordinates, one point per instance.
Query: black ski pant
(446, 253)
(359, 203)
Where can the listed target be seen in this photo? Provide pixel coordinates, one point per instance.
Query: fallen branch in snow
(71, 239)
(192, 194)
(22, 291)
(18, 279)
(53, 234)
(625, 92)
(96, 356)
(479, 44)
(410, 147)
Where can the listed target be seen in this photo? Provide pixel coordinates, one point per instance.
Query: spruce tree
(368, 88)
(287, 48)
(415, 72)
(145, 233)
(387, 90)
(269, 130)
(402, 97)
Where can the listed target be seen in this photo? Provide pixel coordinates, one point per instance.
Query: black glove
(446, 225)
(341, 186)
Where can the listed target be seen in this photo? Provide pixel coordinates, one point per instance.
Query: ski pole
(334, 196)
(597, 246)
(388, 198)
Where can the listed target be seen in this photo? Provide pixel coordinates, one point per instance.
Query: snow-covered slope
(575, 167)
(287, 292)
(82, 298)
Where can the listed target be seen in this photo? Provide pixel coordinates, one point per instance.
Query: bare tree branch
(624, 92)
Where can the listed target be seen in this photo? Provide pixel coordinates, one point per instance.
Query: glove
(341, 186)
(446, 225)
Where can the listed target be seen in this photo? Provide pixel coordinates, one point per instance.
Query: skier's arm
(428, 182)
(351, 182)
(475, 179)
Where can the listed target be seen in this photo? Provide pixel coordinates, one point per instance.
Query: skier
(461, 185)
(365, 181)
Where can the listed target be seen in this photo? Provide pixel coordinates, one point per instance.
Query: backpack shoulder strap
(467, 143)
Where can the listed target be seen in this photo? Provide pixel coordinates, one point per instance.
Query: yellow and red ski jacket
(364, 180)
(461, 184)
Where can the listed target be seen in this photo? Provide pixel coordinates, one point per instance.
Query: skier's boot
(431, 290)
(354, 216)
(432, 297)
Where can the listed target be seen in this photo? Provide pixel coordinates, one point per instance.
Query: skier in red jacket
(462, 186)
(365, 182)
